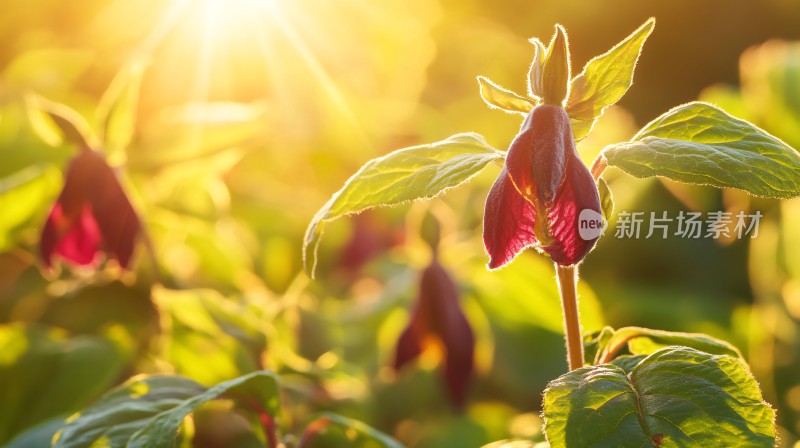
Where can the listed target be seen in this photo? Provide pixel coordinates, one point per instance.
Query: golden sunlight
(240, 50)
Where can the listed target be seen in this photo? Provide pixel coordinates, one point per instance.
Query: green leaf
(116, 112)
(39, 435)
(676, 397)
(23, 196)
(604, 80)
(497, 97)
(418, 172)
(606, 199)
(147, 411)
(323, 432)
(535, 89)
(646, 341)
(44, 373)
(594, 342)
(628, 362)
(698, 143)
(212, 338)
(516, 444)
(57, 124)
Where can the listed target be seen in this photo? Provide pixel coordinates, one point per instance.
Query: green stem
(567, 280)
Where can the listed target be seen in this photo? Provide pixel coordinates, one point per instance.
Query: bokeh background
(249, 114)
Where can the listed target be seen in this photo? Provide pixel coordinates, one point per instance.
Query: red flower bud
(438, 317)
(91, 214)
(538, 198)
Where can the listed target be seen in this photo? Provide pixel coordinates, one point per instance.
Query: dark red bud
(438, 315)
(91, 213)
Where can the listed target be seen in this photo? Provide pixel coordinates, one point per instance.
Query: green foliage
(606, 199)
(604, 80)
(45, 373)
(606, 344)
(535, 86)
(58, 124)
(225, 161)
(147, 411)
(497, 97)
(676, 396)
(701, 144)
(23, 196)
(419, 172)
(332, 430)
(116, 112)
(211, 338)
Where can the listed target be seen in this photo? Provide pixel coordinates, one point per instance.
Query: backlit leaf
(698, 143)
(604, 80)
(498, 97)
(535, 71)
(606, 199)
(58, 124)
(418, 172)
(645, 341)
(116, 112)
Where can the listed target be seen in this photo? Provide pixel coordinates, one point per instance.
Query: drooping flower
(92, 214)
(538, 199)
(437, 319)
(539, 196)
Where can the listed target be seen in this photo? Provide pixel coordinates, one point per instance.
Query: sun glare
(222, 20)
(246, 50)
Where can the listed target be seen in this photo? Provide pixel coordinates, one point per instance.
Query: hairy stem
(598, 166)
(567, 280)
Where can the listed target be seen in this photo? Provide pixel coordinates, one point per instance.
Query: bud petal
(536, 158)
(578, 193)
(508, 222)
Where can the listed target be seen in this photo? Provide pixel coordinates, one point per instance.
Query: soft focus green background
(253, 112)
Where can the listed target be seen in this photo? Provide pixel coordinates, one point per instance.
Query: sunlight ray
(318, 71)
